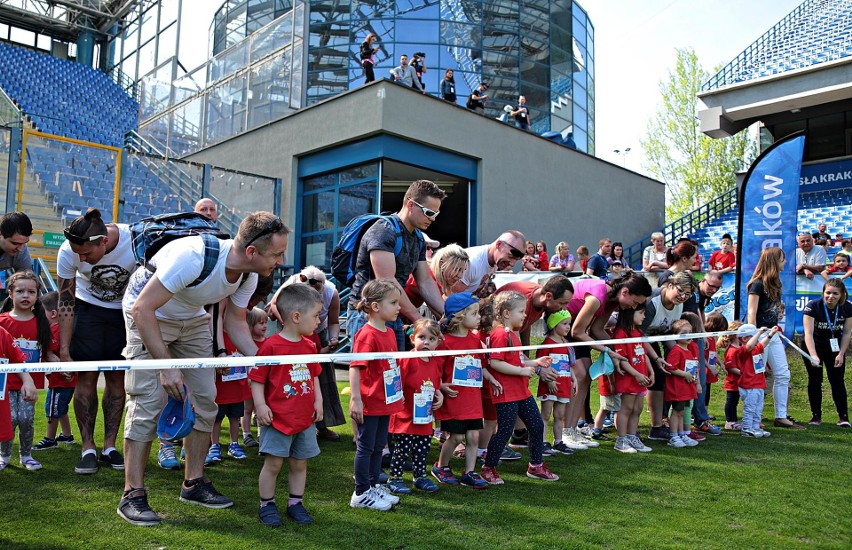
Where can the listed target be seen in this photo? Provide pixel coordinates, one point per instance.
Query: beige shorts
(145, 395)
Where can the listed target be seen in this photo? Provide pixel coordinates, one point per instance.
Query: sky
(635, 43)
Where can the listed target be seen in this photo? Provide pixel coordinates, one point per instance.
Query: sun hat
(458, 302)
(177, 419)
(557, 317)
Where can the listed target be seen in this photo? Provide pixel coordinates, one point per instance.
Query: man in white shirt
(406, 74)
(165, 318)
(810, 259)
(501, 255)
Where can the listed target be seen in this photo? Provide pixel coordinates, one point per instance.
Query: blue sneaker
(397, 486)
(235, 451)
(472, 479)
(609, 421)
(166, 457)
(214, 455)
(706, 428)
(383, 477)
(425, 484)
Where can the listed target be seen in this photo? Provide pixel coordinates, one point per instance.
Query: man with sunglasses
(165, 318)
(501, 255)
(376, 260)
(93, 266)
(15, 231)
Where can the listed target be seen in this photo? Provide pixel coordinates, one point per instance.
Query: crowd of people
(194, 299)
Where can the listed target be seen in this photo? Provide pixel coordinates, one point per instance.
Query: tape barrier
(802, 352)
(266, 360)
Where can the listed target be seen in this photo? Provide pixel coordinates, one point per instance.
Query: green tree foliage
(695, 168)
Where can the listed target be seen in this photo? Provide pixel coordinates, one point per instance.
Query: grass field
(791, 490)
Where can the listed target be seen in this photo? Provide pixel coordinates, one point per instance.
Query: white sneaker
(369, 499)
(689, 441)
(676, 441)
(585, 435)
(574, 441)
(622, 445)
(637, 444)
(750, 433)
(385, 494)
(764, 433)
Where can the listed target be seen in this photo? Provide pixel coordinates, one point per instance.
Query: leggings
(370, 440)
(415, 447)
(835, 379)
(368, 71)
(732, 400)
(527, 411)
(23, 414)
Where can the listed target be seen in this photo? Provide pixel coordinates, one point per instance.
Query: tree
(695, 168)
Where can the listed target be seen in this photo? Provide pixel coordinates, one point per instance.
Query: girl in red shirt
(412, 427)
(258, 322)
(680, 384)
(715, 322)
(513, 370)
(555, 395)
(11, 353)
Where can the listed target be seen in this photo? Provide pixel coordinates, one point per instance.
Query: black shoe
(660, 433)
(298, 514)
(114, 460)
(269, 516)
(204, 494)
(600, 436)
(65, 439)
(134, 509)
(88, 464)
(45, 444)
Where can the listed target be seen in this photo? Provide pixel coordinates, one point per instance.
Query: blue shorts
(56, 405)
(231, 410)
(302, 445)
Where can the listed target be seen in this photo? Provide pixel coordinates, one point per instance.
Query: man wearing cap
(208, 208)
(810, 259)
(15, 231)
(501, 255)
(165, 318)
(93, 266)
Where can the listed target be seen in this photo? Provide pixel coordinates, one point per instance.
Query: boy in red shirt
(288, 401)
(724, 260)
(748, 357)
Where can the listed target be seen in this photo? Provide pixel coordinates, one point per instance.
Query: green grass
(791, 490)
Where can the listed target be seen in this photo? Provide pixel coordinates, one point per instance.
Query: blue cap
(177, 419)
(603, 366)
(458, 302)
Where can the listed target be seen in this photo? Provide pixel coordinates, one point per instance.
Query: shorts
(677, 405)
(555, 398)
(489, 412)
(230, 410)
(461, 426)
(56, 404)
(302, 445)
(582, 352)
(611, 403)
(99, 333)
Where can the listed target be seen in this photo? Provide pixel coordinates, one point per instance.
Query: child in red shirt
(257, 320)
(746, 352)
(556, 395)
(680, 389)
(412, 427)
(840, 266)
(724, 260)
(11, 353)
(288, 402)
(543, 258)
(715, 322)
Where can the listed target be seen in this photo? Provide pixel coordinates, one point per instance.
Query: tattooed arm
(67, 288)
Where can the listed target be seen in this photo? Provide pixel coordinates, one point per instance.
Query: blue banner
(769, 202)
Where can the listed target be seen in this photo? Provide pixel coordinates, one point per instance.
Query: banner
(769, 203)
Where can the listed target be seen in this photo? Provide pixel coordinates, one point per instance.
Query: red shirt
(748, 362)
(8, 350)
(484, 340)
(25, 334)
(467, 405)
(732, 380)
(55, 379)
(289, 390)
(412, 291)
(370, 339)
(527, 289)
(835, 269)
(722, 260)
(515, 388)
(543, 261)
(677, 388)
(417, 376)
(711, 358)
(563, 386)
(635, 353)
(232, 391)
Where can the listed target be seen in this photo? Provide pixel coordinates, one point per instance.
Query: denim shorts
(58, 399)
(302, 445)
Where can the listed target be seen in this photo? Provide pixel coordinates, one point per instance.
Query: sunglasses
(312, 282)
(274, 226)
(76, 239)
(428, 212)
(514, 252)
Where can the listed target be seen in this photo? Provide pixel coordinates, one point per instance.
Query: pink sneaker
(489, 474)
(541, 472)
(695, 436)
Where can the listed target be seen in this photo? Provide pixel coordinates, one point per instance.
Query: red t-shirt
(677, 388)
(485, 340)
(232, 391)
(527, 289)
(418, 376)
(289, 390)
(543, 261)
(25, 334)
(835, 269)
(515, 388)
(722, 260)
(635, 353)
(711, 358)
(373, 389)
(732, 380)
(563, 386)
(467, 405)
(55, 379)
(8, 350)
(748, 362)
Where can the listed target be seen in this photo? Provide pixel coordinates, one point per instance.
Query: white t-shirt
(101, 284)
(327, 294)
(479, 267)
(178, 265)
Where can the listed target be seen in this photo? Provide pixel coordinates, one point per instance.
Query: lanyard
(828, 320)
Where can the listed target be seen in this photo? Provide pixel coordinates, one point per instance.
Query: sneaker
(581, 423)
(843, 422)
(66, 439)
(815, 421)
(622, 445)
(369, 499)
(444, 475)
(609, 421)
(509, 454)
(585, 436)
(297, 513)
(637, 444)
(541, 472)
(88, 465)
(695, 436)
(676, 441)
(600, 436)
(561, 447)
(787, 423)
(547, 449)
(204, 494)
(460, 451)
(166, 458)
(689, 441)
(235, 451)
(750, 433)
(4, 461)
(114, 460)
(423, 483)
(385, 494)
(30, 463)
(474, 480)
(575, 441)
(328, 435)
(660, 433)
(250, 441)
(269, 515)
(733, 426)
(45, 444)
(706, 428)
(490, 475)
(383, 477)
(764, 433)
(214, 455)
(134, 509)
(397, 486)
(520, 438)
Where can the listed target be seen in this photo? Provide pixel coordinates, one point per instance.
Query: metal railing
(9, 112)
(687, 224)
(43, 274)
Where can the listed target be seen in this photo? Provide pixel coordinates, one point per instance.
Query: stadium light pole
(623, 153)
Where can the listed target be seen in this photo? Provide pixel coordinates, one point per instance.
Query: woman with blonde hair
(447, 266)
(563, 260)
(654, 256)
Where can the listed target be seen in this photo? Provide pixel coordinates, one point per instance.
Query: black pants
(527, 411)
(732, 400)
(835, 379)
(368, 72)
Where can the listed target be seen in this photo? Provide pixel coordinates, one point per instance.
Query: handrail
(41, 271)
(9, 112)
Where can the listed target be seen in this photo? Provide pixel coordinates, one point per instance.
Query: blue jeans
(371, 438)
(752, 408)
(357, 319)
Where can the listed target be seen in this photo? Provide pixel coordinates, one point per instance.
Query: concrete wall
(546, 190)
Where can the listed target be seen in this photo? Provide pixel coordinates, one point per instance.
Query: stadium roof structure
(64, 19)
(802, 61)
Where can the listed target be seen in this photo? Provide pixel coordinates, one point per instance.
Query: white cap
(746, 331)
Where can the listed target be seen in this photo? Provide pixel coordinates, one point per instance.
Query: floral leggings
(23, 414)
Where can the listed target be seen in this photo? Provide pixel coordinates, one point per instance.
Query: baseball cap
(458, 302)
(177, 419)
(746, 331)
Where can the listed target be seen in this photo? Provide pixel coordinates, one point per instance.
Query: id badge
(422, 413)
(235, 373)
(691, 366)
(562, 363)
(759, 367)
(393, 384)
(711, 362)
(467, 372)
(31, 349)
(3, 376)
(835, 345)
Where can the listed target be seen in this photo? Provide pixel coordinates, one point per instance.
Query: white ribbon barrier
(802, 352)
(241, 361)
